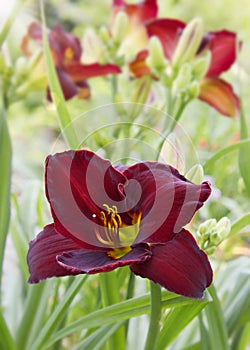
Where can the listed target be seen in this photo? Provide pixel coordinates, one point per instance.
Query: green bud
(215, 239)
(139, 96)
(104, 34)
(201, 65)
(156, 59)
(207, 226)
(195, 174)
(211, 233)
(94, 49)
(21, 66)
(172, 153)
(188, 43)
(194, 89)
(183, 79)
(120, 27)
(223, 227)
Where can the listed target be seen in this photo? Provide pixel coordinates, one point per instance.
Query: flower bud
(183, 79)
(94, 49)
(211, 233)
(188, 43)
(195, 174)
(139, 96)
(120, 27)
(104, 34)
(201, 65)
(193, 89)
(156, 60)
(223, 227)
(172, 153)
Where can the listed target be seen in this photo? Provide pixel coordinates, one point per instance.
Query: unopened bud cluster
(187, 67)
(211, 233)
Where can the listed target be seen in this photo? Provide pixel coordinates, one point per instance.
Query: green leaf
(4, 31)
(64, 118)
(216, 323)
(5, 176)
(239, 224)
(98, 338)
(35, 308)
(177, 320)
(124, 310)
(210, 163)
(244, 152)
(58, 314)
(6, 341)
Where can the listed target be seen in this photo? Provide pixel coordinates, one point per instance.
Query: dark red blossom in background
(223, 48)
(66, 51)
(110, 216)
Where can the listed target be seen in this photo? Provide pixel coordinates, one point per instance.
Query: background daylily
(106, 217)
(66, 51)
(138, 15)
(221, 45)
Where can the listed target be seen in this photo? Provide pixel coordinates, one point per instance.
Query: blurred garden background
(59, 313)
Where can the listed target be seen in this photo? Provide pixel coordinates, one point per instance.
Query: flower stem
(155, 317)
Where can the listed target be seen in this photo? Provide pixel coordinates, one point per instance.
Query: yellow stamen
(113, 233)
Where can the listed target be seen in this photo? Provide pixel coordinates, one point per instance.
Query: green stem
(155, 316)
(114, 86)
(110, 296)
(130, 294)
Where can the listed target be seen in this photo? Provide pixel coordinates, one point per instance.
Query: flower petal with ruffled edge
(168, 200)
(42, 254)
(220, 95)
(179, 266)
(93, 261)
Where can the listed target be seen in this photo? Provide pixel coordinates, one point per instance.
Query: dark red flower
(223, 48)
(66, 51)
(110, 216)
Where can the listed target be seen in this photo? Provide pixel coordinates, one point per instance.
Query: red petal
(66, 47)
(220, 95)
(69, 88)
(141, 12)
(98, 261)
(78, 183)
(223, 46)
(179, 265)
(139, 66)
(42, 255)
(34, 32)
(79, 71)
(168, 31)
(167, 200)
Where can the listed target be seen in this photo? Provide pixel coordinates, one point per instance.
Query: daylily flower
(66, 51)
(222, 46)
(109, 216)
(139, 14)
